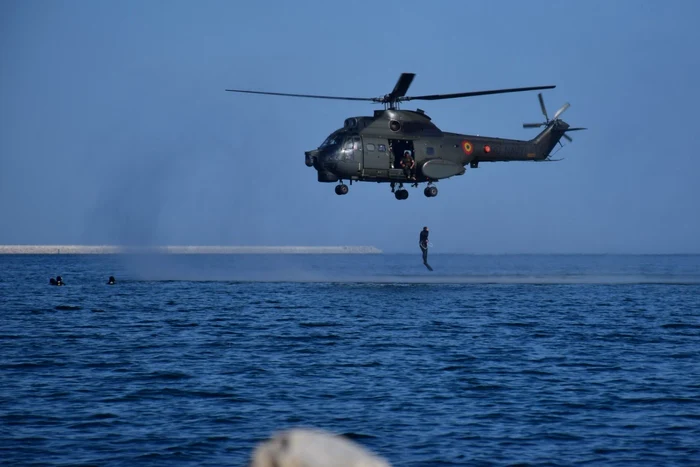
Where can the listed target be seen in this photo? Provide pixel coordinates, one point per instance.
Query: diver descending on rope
(423, 243)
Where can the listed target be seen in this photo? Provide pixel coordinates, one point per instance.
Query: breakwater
(191, 249)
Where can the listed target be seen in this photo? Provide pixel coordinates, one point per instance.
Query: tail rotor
(555, 122)
(547, 121)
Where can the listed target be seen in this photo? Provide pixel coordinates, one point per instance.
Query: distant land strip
(111, 249)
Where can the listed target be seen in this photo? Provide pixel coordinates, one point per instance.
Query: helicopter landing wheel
(341, 189)
(430, 191)
(401, 194)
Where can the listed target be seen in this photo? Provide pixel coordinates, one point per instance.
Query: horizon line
(279, 249)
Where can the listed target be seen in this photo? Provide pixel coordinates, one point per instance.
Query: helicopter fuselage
(371, 149)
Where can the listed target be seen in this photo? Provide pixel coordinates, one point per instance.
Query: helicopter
(405, 147)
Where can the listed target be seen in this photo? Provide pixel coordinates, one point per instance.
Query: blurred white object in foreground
(313, 448)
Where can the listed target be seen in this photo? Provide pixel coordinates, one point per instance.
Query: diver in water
(423, 242)
(59, 280)
(111, 280)
(52, 281)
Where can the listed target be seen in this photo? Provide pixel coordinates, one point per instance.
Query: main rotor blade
(575, 129)
(568, 137)
(434, 97)
(533, 125)
(371, 99)
(561, 111)
(544, 110)
(402, 85)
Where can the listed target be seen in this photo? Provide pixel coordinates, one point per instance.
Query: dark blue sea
(487, 360)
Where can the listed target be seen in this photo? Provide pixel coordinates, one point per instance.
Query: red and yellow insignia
(467, 147)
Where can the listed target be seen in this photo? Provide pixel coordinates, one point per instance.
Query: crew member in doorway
(423, 242)
(408, 164)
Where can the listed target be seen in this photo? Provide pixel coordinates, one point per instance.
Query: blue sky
(115, 127)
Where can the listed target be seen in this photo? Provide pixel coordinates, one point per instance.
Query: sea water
(488, 360)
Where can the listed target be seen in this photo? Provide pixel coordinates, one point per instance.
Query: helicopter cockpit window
(332, 140)
(348, 144)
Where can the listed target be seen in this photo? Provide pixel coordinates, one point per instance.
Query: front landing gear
(401, 193)
(341, 189)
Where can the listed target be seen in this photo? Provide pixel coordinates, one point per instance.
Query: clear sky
(115, 127)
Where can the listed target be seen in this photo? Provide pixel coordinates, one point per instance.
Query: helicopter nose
(323, 163)
(311, 158)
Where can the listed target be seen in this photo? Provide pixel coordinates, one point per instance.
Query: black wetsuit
(423, 242)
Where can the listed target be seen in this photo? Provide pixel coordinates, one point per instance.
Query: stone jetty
(218, 250)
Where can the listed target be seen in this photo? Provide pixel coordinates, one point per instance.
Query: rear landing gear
(430, 191)
(402, 193)
(341, 189)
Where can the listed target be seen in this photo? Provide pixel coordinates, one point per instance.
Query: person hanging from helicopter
(423, 243)
(408, 164)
